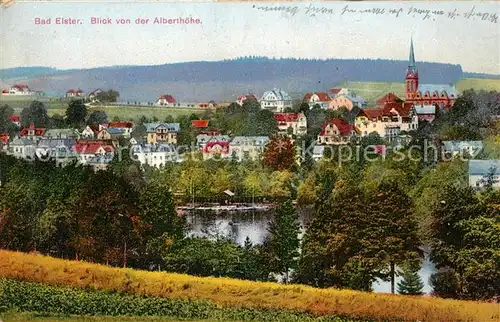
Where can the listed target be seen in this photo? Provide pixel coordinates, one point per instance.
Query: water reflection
(239, 225)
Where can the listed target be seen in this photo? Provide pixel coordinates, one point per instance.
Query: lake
(240, 225)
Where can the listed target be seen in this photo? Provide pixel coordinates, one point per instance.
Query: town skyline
(233, 30)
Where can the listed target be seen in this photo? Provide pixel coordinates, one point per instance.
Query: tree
(109, 96)
(412, 283)
(283, 244)
(280, 153)
(35, 113)
(6, 126)
(76, 113)
(97, 117)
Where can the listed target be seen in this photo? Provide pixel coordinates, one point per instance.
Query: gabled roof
(388, 98)
(335, 91)
(254, 140)
(280, 95)
(223, 144)
(322, 96)
(449, 90)
(403, 109)
(287, 117)
(5, 91)
(121, 125)
(38, 131)
(95, 91)
(20, 86)
(199, 123)
(172, 127)
(344, 128)
(91, 148)
(169, 98)
(14, 118)
(71, 91)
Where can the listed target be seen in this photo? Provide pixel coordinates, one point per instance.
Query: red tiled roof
(169, 98)
(5, 91)
(91, 148)
(287, 117)
(121, 124)
(388, 98)
(78, 91)
(403, 109)
(71, 91)
(212, 132)
(322, 96)
(223, 144)
(199, 123)
(335, 91)
(14, 118)
(20, 86)
(4, 138)
(38, 131)
(344, 128)
(100, 142)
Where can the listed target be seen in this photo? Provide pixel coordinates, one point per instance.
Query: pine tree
(411, 283)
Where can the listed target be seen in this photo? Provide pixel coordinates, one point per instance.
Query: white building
(19, 89)
(480, 169)
(276, 100)
(247, 147)
(22, 148)
(388, 121)
(321, 98)
(466, 148)
(155, 155)
(297, 122)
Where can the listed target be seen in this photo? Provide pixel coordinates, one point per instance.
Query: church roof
(440, 88)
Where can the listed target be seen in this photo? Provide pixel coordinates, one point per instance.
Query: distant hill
(224, 80)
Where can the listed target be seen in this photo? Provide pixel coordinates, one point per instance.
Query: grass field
(478, 84)
(21, 317)
(234, 293)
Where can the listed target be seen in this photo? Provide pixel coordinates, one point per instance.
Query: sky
(230, 30)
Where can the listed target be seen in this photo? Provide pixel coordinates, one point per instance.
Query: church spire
(412, 55)
(412, 66)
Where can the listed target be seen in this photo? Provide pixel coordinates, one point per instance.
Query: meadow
(210, 293)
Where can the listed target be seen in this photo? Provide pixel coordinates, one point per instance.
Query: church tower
(411, 80)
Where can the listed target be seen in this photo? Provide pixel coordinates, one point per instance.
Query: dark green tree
(411, 284)
(97, 117)
(35, 113)
(76, 113)
(283, 244)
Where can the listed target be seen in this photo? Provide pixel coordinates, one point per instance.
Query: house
(241, 99)
(426, 112)
(348, 101)
(388, 121)
(165, 100)
(276, 100)
(49, 148)
(100, 162)
(62, 134)
(104, 134)
(162, 132)
(16, 120)
(204, 138)
(442, 95)
(74, 93)
(462, 148)
(334, 92)
(125, 126)
(247, 147)
(322, 99)
(22, 148)
(388, 99)
(210, 104)
(86, 151)
(337, 131)
(153, 155)
(296, 123)
(20, 89)
(199, 124)
(32, 133)
(93, 95)
(480, 169)
(215, 149)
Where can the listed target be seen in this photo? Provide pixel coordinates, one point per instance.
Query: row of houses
(20, 90)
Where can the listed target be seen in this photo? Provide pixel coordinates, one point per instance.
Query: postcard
(249, 160)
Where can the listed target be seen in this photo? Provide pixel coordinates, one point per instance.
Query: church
(441, 95)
